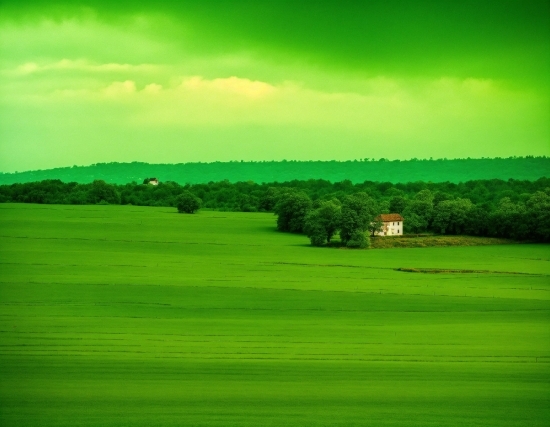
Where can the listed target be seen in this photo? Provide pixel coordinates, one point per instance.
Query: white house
(392, 225)
(153, 181)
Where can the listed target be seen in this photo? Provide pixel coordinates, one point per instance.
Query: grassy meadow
(136, 316)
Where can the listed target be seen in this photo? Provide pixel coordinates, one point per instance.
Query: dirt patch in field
(452, 271)
(438, 241)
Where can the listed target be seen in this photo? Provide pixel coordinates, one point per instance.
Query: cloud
(232, 85)
(385, 106)
(80, 65)
(152, 88)
(117, 89)
(382, 104)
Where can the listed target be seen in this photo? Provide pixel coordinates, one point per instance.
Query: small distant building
(153, 181)
(392, 224)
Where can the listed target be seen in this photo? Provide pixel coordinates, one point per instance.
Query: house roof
(390, 217)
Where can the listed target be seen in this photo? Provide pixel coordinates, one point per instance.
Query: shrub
(359, 240)
(187, 202)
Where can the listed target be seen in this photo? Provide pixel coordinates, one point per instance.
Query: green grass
(127, 316)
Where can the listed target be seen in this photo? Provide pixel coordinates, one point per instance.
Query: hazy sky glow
(183, 81)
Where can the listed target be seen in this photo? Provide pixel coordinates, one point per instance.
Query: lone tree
(187, 202)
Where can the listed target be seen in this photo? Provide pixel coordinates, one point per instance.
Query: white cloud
(116, 89)
(27, 68)
(382, 106)
(232, 85)
(80, 65)
(387, 106)
(152, 88)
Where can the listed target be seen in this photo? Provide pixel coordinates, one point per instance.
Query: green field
(128, 316)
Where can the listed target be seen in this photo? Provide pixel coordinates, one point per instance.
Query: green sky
(169, 82)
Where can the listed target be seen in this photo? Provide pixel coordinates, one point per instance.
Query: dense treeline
(355, 216)
(514, 208)
(357, 171)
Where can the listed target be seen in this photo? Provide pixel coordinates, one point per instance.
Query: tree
(269, 199)
(383, 206)
(451, 216)
(418, 213)
(291, 210)
(187, 202)
(322, 223)
(398, 204)
(478, 221)
(358, 212)
(376, 226)
(358, 239)
(100, 192)
(314, 229)
(424, 196)
(413, 223)
(538, 216)
(440, 196)
(509, 220)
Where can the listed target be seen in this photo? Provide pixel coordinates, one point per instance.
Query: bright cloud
(383, 105)
(120, 88)
(233, 85)
(152, 88)
(79, 65)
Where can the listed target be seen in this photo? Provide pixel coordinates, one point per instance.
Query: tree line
(435, 170)
(355, 216)
(517, 209)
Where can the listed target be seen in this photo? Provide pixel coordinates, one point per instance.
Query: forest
(517, 209)
(357, 171)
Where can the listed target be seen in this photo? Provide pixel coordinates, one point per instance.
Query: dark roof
(390, 217)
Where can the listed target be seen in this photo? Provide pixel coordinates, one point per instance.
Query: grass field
(128, 316)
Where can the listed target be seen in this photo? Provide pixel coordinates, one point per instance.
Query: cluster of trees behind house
(353, 217)
(514, 208)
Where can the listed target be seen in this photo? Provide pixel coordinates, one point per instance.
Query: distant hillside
(454, 170)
